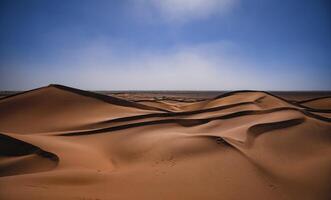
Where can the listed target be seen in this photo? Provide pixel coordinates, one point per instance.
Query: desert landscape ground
(58, 142)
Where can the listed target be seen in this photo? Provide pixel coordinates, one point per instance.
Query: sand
(58, 142)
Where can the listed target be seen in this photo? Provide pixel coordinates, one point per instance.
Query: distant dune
(58, 142)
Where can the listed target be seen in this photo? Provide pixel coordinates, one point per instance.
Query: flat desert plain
(58, 142)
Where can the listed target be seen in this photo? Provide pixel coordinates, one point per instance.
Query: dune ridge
(58, 142)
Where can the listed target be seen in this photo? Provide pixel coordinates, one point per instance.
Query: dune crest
(58, 142)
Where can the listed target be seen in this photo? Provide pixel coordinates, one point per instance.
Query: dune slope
(58, 142)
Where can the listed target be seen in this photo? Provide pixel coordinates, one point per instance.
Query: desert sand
(58, 142)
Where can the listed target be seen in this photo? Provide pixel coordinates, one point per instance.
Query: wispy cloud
(181, 11)
(101, 65)
(192, 67)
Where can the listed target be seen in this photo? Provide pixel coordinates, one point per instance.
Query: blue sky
(166, 44)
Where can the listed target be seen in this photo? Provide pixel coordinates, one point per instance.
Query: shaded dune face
(58, 142)
(19, 157)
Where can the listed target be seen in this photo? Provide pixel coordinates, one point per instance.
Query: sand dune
(58, 142)
(73, 109)
(318, 103)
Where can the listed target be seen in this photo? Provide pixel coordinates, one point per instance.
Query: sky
(166, 44)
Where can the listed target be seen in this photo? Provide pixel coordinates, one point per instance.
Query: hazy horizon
(172, 91)
(216, 45)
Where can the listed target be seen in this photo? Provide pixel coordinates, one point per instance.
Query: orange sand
(62, 143)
